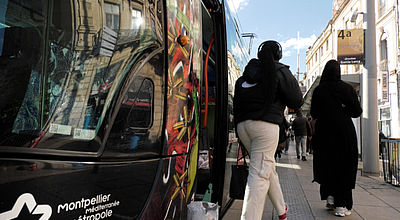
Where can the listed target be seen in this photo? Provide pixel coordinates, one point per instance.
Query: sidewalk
(373, 198)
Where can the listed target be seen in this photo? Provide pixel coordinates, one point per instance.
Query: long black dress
(333, 104)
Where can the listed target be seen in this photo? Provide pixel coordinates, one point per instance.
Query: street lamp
(252, 36)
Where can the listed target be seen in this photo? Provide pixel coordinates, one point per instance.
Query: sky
(282, 20)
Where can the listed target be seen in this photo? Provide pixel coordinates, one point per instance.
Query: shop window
(384, 126)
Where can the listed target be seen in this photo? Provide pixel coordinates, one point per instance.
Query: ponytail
(267, 53)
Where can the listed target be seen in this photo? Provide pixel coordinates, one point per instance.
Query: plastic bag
(199, 210)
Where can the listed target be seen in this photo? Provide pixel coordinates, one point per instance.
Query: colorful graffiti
(184, 62)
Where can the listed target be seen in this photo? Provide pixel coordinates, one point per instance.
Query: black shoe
(303, 158)
(298, 157)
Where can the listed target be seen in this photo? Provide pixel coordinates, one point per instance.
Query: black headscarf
(331, 72)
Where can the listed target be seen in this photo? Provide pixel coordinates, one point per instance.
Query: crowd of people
(300, 131)
(262, 93)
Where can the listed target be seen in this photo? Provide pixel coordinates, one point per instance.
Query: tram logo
(35, 209)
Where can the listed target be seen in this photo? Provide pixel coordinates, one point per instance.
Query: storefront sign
(350, 46)
(385, 86)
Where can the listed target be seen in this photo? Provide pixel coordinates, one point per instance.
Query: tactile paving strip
(294, 195)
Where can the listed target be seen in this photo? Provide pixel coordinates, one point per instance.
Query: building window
(112, 15)
(345, 70)
(382, 7)
(357, 67)
(383, 51)
(327, 44)
(383, 65)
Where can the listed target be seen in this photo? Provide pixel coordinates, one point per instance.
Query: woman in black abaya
(333, 104)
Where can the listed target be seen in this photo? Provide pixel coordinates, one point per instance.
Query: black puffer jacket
(249, 103)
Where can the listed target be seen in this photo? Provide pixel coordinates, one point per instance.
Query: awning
(352, 79)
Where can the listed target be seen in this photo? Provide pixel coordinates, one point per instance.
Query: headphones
(272, 45)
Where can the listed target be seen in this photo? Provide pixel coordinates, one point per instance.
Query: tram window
(21, 37)
(136, 129)
(59, 83)
(134, 117)
(141, 111)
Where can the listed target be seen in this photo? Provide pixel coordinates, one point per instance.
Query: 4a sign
(350, 47)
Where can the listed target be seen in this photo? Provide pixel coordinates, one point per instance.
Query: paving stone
(373, 198)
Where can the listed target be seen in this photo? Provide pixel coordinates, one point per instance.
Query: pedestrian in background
(309, 135)
(312, 125)
(283, 136)
(333, 104)
(302, 129)
(381, 144)
(288, 136)
(261, 95)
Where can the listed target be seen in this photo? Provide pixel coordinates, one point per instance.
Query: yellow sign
(350, 48)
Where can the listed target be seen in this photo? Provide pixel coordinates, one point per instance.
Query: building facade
(347, 15)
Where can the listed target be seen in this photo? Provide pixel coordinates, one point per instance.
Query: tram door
(224, 58)
(213, 132)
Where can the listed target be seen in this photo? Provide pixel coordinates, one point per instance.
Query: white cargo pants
(260, 139)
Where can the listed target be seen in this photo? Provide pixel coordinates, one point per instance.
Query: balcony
(383, 65)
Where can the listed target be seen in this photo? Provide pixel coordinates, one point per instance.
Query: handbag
(240, 171)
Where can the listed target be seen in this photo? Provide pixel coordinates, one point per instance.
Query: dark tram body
(105, 106)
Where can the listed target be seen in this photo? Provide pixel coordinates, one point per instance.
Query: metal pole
(370, 102)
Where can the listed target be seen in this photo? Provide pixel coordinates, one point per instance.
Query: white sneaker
(330, 203)
(342, 211)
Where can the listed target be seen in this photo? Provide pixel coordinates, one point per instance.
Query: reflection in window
(112, 16)
(102, 83)
(136, 21)
(21, 31)
(54, 82)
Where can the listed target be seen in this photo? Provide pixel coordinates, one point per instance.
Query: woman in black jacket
(261, 95)
(333, 104)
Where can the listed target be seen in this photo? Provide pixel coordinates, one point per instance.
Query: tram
(105, 106)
